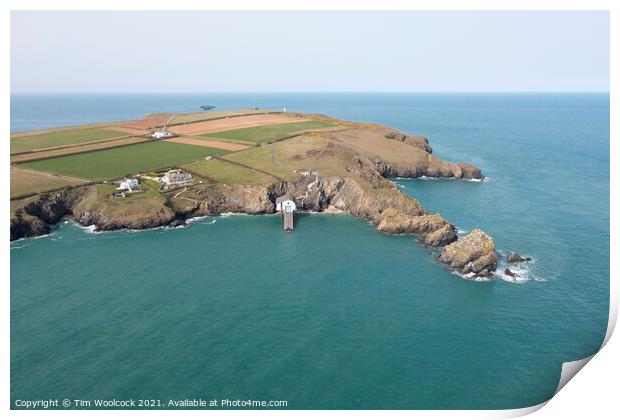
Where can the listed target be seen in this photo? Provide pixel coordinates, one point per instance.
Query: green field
(62, 138)
(228, 173)
(266, 133)
(112, 163)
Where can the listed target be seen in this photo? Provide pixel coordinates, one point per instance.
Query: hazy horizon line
(306, 92)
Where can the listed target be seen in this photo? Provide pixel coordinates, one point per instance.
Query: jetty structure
(285, 204)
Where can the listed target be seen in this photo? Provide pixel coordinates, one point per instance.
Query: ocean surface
(334, 315)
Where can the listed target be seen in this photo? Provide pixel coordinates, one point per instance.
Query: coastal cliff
(390, 210)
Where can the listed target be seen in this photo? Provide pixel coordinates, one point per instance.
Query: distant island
(166, 168)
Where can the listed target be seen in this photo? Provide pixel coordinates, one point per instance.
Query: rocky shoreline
(391, 211)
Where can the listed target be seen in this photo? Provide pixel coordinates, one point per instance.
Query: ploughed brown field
(208, 143)
(147, 123)
(233, 123)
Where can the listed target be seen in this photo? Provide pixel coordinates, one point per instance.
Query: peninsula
(165, 168)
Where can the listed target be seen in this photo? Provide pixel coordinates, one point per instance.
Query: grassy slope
(308, 152)
(373, 144)
(121, 161)
(268, 132)
(137, 205)
(26, 182)
(24, 144)
(260, 158)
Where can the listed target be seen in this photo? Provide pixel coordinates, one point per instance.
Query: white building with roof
(286, 203)
(176, 177)
(128, 184)
(161, 134)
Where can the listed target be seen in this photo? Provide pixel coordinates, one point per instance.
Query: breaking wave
(524, 271)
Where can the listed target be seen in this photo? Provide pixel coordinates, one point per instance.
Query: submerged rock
(513, 257)
(511, 274)
(474, 254)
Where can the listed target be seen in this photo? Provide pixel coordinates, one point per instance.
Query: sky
(55, 52)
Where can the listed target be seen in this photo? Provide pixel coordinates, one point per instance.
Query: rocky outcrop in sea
(473, 255)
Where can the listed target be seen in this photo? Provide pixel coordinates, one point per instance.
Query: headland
(166, 168)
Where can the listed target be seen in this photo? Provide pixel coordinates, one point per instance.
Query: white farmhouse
(128, 184)
(285, 203)
(161, 134)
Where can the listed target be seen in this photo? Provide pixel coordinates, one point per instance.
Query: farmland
(233, 123)
(21, 144)
(148, 122)
(208, 115)
(267, 133)
(229, 173)
(208, 143)
(111, 163)
(70, 150)
(54, 158)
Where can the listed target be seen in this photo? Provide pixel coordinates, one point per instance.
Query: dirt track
(208, 143)
(128, 130)
(233, 123)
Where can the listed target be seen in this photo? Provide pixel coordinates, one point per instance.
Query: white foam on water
(522, 274)
(461, 231)
(472, 277)
(434, 178)
(89, 229)
(140, 230)
(331, 211)
(198, 219)
(523, 270)
(230, 213)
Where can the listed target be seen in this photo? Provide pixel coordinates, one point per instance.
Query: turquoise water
(335, 315)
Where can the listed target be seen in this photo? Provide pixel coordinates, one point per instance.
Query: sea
(334, 315)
